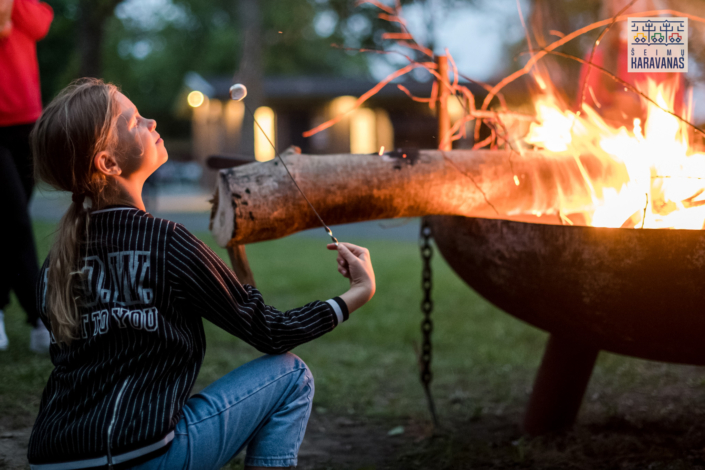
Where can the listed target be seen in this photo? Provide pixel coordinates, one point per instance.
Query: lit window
(266, 119)
(215, 110)
(363, 131)
(456, 110)
(342, 105)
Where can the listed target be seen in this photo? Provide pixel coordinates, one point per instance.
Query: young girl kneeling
(123, 295)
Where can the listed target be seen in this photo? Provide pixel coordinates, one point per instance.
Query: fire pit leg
(560, 385)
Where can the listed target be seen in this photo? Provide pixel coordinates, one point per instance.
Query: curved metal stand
(560, 385)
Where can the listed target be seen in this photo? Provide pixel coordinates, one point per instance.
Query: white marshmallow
(238, 92)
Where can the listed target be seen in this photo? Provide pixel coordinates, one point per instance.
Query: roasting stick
(238, 92)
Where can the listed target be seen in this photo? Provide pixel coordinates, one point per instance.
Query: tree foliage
(149, 45)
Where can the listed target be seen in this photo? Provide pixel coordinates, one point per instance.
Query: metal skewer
(238, 92)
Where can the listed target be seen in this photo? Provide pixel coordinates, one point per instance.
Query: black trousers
(18, 255)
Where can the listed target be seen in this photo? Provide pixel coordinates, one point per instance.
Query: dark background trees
(146, 47)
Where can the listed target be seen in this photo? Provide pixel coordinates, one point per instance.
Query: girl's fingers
(356, 250)
(343, 267)
(347, 255)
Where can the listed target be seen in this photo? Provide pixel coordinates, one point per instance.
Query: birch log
(258, 201)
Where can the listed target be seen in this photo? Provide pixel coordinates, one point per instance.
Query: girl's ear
(107, 164)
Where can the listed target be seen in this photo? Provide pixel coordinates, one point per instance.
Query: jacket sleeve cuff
(340, 308)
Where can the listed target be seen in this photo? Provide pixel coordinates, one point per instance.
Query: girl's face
(141, 149)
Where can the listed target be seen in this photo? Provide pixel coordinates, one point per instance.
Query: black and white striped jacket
(116, 393)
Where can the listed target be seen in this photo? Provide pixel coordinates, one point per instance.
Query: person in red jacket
(22, 24)
(617, 105)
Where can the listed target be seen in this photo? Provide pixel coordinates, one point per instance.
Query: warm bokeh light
(363, 131)
(342, 104)
(215, 110)
(385, 130)
(234, 114)
(195, 99)
(456, 110)
(266, 119)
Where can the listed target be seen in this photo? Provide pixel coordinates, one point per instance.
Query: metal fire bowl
(635, 292)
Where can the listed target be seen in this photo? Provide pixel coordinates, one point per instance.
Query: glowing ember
(666, 187)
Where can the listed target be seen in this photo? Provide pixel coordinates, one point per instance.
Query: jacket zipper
(112, 421)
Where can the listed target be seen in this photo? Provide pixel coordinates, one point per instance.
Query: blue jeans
(264, 405)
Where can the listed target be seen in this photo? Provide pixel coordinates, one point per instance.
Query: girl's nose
(152, 124)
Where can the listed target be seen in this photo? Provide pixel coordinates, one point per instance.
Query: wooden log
(444, 142)
(258, 201)
(241, 266)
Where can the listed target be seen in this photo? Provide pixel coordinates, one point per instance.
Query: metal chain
(426, 309)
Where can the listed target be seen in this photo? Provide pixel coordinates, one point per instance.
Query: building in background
(293, 105)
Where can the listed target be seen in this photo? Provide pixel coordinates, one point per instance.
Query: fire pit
(591, 288)
(632, 292)
(523, 227)
(623, 290)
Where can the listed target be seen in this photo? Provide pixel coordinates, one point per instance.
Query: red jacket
(20, 96)
(606, 98)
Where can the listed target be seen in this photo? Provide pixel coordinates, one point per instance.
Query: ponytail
(64, 286)
(73, 128)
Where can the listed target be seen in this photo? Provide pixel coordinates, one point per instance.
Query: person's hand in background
(5, 18)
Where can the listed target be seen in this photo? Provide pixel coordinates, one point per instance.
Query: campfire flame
(666, 185)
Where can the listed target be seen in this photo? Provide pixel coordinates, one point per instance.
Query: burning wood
(258, 201)
(641, 129)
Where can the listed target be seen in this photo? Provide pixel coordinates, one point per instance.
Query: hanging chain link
(426, 309)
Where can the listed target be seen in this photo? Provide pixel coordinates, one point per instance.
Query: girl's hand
(354, 263)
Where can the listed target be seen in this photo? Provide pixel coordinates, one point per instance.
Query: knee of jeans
(291, 361)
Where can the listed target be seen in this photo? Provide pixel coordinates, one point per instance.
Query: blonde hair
(74, 127)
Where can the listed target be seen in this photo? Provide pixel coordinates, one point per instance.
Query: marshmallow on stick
(238, 92)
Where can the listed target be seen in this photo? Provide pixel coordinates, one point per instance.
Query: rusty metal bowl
(634, 292)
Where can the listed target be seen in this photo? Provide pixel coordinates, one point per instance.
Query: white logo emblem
(658, 44)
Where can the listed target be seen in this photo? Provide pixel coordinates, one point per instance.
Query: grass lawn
(368, 364)
(484, 361)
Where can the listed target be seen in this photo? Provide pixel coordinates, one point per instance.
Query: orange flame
(666, 186)
(664, 183)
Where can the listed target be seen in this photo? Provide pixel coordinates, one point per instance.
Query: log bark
(258, 201)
